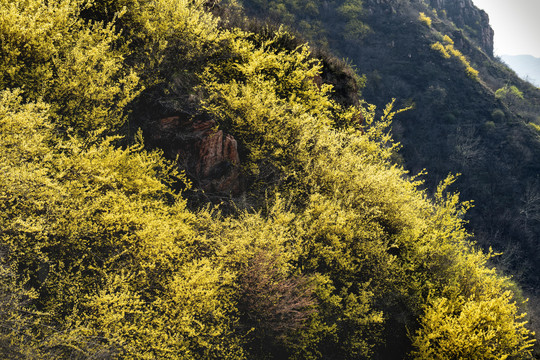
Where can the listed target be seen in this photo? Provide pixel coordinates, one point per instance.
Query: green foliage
(498, 115)
(510, 94)
(489, 125)
(355, 29)
(316, 21)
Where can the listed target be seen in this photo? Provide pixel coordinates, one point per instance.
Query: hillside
(179, 181)
(472, 115)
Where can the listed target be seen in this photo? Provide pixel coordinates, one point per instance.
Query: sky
(516, 24)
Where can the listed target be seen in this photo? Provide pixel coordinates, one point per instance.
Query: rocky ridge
(467, 16)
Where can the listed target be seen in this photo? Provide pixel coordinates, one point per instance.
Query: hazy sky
(516, 24)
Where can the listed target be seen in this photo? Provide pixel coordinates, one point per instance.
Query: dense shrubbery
(448, 50)
(50, 53)
(101, 258)
(446, 131)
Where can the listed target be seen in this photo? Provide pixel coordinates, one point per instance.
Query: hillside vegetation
(109, 251)
(472, 115)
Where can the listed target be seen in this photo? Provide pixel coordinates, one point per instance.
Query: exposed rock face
(208, 155)
(462, 12)
(218, 161)
(466, 15)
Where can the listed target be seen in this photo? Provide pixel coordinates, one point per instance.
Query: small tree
(509, 94)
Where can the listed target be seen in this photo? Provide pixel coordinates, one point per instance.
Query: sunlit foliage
(448, 51)
(462, 328)
(50, 53)
(338, 254)
(424, 19)
(510, 94)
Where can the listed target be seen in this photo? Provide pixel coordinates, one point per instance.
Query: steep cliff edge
(468, 17)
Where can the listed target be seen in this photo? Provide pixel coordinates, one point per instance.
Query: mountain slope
(326, 250)
(428, 54)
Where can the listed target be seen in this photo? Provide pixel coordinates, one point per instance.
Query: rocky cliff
(468, 17)
(208, 155)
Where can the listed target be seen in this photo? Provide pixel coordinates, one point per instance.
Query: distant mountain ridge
(526, 66)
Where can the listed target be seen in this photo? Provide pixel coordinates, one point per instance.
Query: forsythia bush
(50, 53)
(447, 51)
(471, 329)
(424, 19)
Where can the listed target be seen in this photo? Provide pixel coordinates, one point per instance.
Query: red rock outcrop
(208, 155)
(218, 161)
